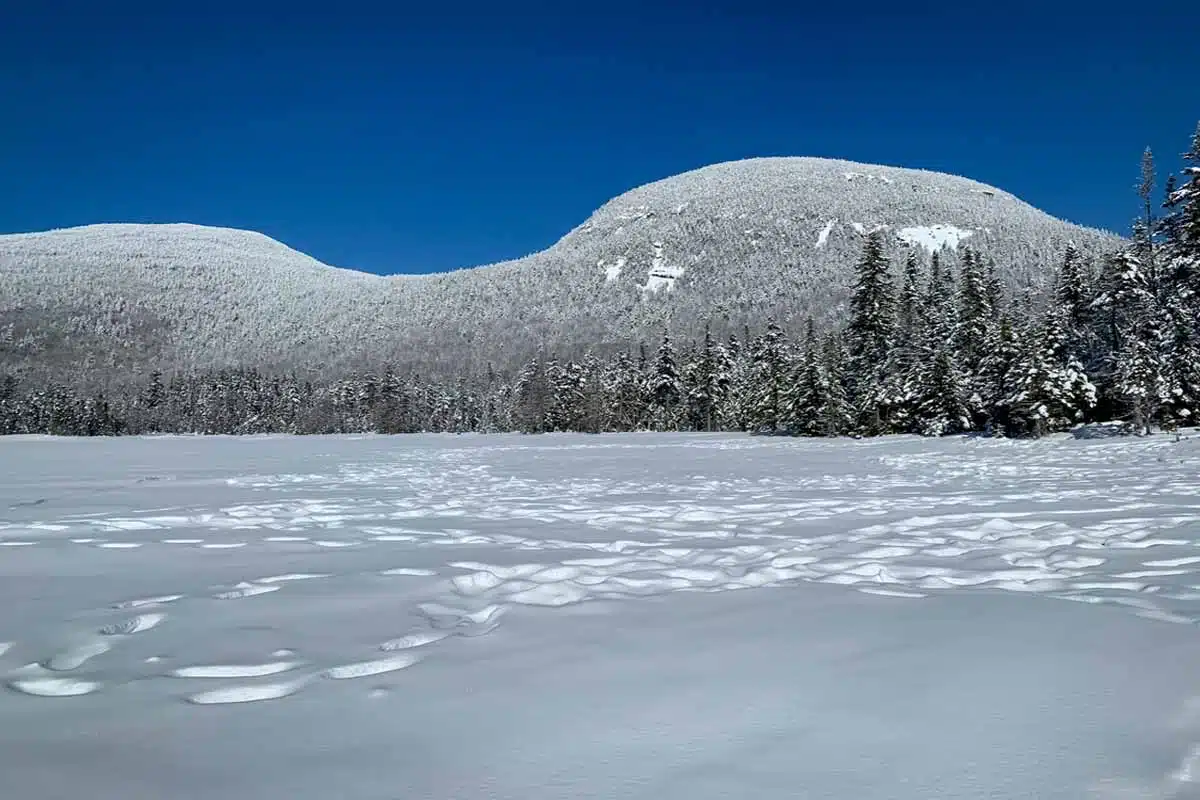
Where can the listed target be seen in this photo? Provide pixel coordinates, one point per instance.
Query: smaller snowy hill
(730, 244)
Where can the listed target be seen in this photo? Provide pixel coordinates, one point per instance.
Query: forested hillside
(935, 340)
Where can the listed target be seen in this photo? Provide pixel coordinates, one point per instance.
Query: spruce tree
(814, 406)
(1052, 391)
(771, 369)
(708, 382)
(1179, 272)
(533, 396)
(909, 305)
(974, 314)
(869, 335)
(665, 388)
(997, 377)
(943, 408)
(1183, 205)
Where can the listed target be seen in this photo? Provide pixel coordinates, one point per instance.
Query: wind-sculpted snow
(731, 243)
(367, 565)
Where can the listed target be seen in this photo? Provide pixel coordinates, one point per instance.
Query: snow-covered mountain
(730, 243)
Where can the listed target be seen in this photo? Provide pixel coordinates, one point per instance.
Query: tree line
(929, 347)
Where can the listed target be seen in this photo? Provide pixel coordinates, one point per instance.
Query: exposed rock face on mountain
(730, 244)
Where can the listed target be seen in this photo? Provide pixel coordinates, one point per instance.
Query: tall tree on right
(1183, 204)
(1180, 277)
(1137, 378)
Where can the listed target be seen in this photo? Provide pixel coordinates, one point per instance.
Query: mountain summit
(729, 244)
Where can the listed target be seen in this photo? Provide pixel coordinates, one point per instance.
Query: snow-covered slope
(731, 243)
(635, 617)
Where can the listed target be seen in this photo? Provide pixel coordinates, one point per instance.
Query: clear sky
(410, 137)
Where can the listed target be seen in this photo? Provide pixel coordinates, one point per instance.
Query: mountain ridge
(730, 244)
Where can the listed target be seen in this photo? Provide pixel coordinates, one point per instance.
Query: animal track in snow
(235, 670)
(54, 687)
(292, 576)
(143, 602)
(364, 669)
(246, 589)
(412, 640)
(77, 656)
(245, 694)
(138, 624)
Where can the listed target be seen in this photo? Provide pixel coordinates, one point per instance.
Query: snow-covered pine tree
(905, 355)
(1073, 294)
(533, 397)
(941, 318)
(835, 416)
(1183, 204)
(1180, 289)
(1135, 380)
(1052, 391)
(666, 391)
(811, 398)
(1146, 227)
(974, 312)
(624, 386)
(909, 305)
(936, 386)
(594, 399)
(869, 335)
(943, 407)
(769, 355)
(1139, 378)
(736, 411)
(976, 319)
(997, 376)
(708, 380)
(567, 396)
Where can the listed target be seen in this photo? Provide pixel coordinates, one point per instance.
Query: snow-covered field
(555, 617)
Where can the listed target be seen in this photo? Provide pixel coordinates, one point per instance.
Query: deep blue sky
(413, 138)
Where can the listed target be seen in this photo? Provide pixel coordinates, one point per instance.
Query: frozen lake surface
(640, 616)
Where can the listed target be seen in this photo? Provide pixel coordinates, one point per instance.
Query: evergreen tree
(708, 383)
(665, 389)
(1146, 227)
(975, 312)
(941, 319)
(906, 354)
(1072, 293)
(976, 319)
(835, 413)
(625, 390)
(737, 411)
(813, 406)
(1135, 376)
(869, 335)
(909, 307)
(1052, 391)
(593, 401)
(997, 378)
(533, 396)
(1184, 210)
(943, 407)
(770, 367)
